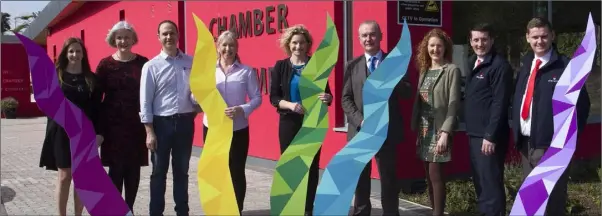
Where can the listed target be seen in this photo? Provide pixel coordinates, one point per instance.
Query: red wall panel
(15, 79)
(385, 13)
(262, 52)
(96, 18)
(413, 168)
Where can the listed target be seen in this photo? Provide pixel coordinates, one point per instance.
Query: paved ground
(28, 189)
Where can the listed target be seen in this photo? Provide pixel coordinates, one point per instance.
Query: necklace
(298, 68)
(119, 58)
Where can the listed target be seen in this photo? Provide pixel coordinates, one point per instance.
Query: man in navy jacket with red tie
(532, 114)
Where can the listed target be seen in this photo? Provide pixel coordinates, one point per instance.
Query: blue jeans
(174, 135)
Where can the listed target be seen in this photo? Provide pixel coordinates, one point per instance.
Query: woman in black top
(284, 95)
(78, 84)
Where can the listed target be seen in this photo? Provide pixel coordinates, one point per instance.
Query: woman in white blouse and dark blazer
(235, 82)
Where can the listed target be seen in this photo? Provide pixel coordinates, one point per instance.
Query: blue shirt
(165, 86)
(295, 94)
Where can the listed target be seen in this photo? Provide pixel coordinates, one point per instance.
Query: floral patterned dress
(427, 135)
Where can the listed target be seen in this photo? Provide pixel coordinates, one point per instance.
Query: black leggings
(290, 124)
(128, 177)
(238, 160)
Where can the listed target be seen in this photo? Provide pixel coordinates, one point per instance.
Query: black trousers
(128, 177)
(488, 177)
(289, 125)
(238, 160)
(558, 197)
(386, 160)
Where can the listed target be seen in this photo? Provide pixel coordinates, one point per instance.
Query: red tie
(530, 86)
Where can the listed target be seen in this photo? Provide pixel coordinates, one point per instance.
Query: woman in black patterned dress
(124, 148)
(79, 85)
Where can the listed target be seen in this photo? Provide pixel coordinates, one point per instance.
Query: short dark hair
(539, 22)
(482, 27)
(166, 21)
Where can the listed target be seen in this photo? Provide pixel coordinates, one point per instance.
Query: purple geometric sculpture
(533, 195)
(91, 182)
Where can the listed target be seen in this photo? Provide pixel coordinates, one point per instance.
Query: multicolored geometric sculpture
(289, 187)
(90, 180)
(214, 181)
(533, 195)
(338, 183)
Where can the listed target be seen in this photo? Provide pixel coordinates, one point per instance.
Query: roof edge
(46, 16)
(10, 39)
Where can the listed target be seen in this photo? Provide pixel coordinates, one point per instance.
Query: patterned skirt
(427, 143)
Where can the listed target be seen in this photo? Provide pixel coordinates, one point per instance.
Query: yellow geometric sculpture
(214, 180)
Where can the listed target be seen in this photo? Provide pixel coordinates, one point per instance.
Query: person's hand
(234, 111)
(325, 97)
(488, 148)
(296, 107)
(151, 141)
(99, 140)
(441, 147)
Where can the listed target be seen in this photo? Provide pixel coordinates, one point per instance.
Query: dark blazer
(280, 84)
(488, 91)
(356, 73)
(542, 121)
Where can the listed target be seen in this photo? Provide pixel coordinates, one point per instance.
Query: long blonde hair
(224, 36)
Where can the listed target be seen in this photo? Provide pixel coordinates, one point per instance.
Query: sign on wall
(420, 13)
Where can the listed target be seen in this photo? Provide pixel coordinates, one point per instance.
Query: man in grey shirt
(167, 110)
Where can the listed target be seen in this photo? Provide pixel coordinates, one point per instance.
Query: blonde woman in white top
(235, 81)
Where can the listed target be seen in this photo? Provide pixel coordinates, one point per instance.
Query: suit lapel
(362, 71)
(443, 69)
(364, 63)
(422, 75)
(420, 79)
(288, 71)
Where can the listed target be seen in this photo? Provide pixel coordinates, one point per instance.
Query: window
(121, 15)
(82, 36)
(54, 53)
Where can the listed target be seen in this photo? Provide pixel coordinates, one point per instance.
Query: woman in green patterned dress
(435, 110)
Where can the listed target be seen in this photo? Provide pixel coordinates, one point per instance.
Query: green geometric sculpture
(289, 187)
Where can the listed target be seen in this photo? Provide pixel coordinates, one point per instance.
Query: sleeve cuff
(246, 109)
(193, 100)
(146, 118)
(489, 137)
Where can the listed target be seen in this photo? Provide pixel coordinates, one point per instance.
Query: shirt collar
(480, 59)
(236, 64)
(164, 55)
(545, 58)
(378, 55)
